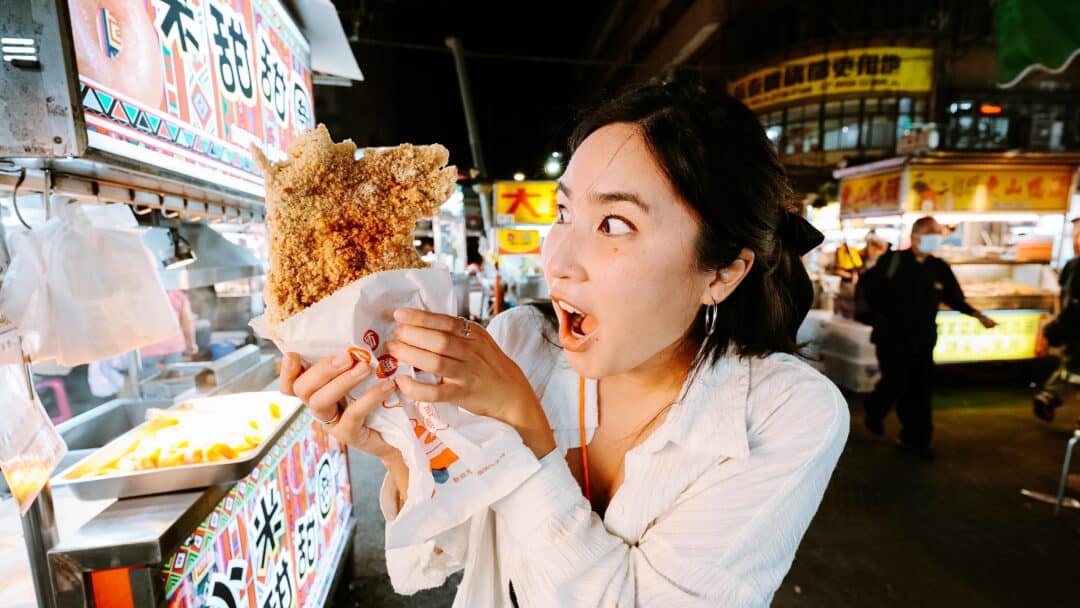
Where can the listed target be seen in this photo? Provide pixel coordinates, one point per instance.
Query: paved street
(893, 530)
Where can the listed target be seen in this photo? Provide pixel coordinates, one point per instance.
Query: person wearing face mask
(682, 448)
(903, 292)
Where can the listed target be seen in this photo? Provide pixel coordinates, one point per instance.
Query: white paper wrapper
(458, 463)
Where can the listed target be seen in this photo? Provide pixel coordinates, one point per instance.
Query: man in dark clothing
(901, 295)
(1064, 330)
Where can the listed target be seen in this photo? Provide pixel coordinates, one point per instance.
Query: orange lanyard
(584, 448)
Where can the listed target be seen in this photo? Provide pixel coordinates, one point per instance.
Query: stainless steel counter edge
(135, 531)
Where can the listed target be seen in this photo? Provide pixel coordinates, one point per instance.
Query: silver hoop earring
(710, 320)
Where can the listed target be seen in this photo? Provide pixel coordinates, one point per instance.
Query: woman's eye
(560, 217)
(614, 225)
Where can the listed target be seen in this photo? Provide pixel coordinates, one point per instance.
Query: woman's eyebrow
(606, 198)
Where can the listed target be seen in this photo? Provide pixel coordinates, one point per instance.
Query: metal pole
(466, 100)
(1065, 472)
(484, 191)
(39, 523)
(39, 534)
(46, 194)
(135, 373)
(5, 253)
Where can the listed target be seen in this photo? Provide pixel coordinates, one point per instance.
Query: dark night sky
(524, 109)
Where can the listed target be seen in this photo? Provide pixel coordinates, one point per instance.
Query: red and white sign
(188, 85)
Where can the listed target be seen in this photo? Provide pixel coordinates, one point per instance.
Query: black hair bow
(797, 235)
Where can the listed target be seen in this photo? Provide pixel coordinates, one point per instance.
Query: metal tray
(183, 477)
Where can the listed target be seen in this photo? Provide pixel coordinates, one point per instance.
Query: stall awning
(957, 182)
(331, 54)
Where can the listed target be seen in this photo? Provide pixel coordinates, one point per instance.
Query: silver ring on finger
(467, 330)
(332, 421)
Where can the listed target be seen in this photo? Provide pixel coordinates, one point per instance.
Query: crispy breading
(334, 219)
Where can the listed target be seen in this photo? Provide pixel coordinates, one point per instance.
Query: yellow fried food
(185, 436)
(334, 218)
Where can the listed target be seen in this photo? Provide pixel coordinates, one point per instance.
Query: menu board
(963, 339)
(277, 537)
(188, 85)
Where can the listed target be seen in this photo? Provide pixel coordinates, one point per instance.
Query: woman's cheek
(552, 242)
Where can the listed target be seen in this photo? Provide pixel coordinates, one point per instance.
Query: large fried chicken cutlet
(334, 219)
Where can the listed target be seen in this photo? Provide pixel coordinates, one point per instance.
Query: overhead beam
(689, 33)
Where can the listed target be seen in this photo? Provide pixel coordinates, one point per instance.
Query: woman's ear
(726, 279)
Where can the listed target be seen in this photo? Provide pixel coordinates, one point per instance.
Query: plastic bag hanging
(80, 292)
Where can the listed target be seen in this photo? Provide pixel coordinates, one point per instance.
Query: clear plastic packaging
(30, 446)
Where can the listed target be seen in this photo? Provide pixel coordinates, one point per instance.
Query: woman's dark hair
(722, 165)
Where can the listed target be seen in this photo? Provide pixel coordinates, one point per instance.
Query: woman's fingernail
(360, 371)
(342, 360)
(400, 314)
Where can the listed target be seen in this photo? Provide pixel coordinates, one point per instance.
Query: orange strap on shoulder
(584, 447)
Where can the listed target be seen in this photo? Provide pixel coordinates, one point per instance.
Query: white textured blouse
(711, 510)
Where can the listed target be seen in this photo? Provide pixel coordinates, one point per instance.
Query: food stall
(524, 212)
(447, 235)
(154, 106)
(1006, 213)
(269, 523)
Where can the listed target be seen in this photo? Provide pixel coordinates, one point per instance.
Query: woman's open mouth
(575, 325)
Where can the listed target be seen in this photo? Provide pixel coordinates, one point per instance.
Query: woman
(708, 445)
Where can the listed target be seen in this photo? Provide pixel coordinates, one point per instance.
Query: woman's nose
(560, 257)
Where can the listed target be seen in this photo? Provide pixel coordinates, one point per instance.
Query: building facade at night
(838, 83)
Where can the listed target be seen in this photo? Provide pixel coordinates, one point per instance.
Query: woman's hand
(323, 388)
(476, 374)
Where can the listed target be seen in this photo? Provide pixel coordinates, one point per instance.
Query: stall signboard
(277, 537)
(989, 189)
(189, 85)
(878, 69)
(525, 202)
(962, 339)
(518, 242)
(870, 195)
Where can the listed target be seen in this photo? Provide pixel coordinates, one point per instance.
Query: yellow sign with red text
(879, 69)
(870, 195)
(934, 189)
(525, 203)
(518, 242)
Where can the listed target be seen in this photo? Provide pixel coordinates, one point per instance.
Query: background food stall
(154, 107)
(524, 212)
(443, 240)
(1007, 216)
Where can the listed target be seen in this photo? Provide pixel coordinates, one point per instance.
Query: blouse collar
(712, 415)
